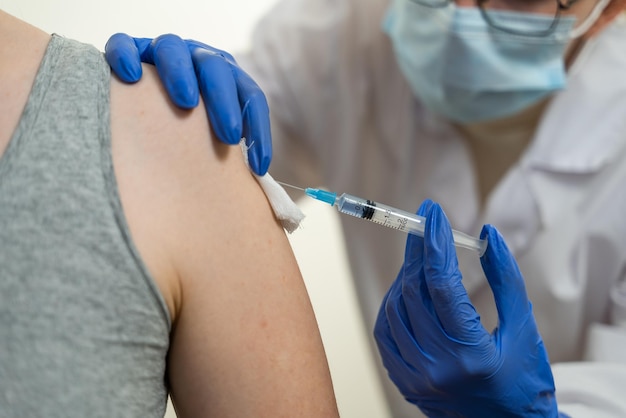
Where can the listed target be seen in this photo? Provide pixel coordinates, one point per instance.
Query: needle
(289, 185)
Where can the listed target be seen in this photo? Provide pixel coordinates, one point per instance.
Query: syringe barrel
(398, 219)
(381, 214)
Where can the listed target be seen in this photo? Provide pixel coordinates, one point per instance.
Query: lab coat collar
(583, 127)
(582, 131)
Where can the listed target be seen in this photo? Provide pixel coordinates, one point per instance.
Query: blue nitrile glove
(434, 346)
(235, 104)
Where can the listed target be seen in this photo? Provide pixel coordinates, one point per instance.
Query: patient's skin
(244, 340)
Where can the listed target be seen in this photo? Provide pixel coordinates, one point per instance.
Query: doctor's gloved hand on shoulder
(235, 104)
(434, 346)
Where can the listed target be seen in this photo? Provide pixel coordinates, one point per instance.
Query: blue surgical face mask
(463, 69)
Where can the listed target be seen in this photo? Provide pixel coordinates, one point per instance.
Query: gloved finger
(219, 91)
(409, 308)
(414, 288)
(256, 122)
(175, 67)
(123, 56)
(457, 315)
(505, 279)
(253, 108)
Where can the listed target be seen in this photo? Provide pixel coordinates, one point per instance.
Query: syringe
(386, 216)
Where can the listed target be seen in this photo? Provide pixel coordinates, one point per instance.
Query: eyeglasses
(494, 12)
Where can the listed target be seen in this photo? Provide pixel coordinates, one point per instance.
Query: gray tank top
(84, 331)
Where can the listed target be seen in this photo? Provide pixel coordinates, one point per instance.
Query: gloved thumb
(505, 280)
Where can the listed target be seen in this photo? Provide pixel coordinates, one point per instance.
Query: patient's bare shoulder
(245, 341)
(173, 177)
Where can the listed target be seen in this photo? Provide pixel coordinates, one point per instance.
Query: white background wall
(318, 246)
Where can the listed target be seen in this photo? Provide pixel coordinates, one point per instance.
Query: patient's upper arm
(245, 341)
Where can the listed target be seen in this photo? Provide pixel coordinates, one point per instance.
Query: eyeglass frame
(561, 5)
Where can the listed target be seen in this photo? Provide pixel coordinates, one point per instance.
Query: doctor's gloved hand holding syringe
(437, 351)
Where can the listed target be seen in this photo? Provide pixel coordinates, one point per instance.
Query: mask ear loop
(590, 20)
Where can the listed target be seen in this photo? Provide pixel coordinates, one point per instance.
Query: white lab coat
(343, 116)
